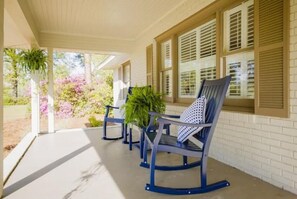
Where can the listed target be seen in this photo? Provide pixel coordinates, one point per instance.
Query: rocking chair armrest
(178, 123)
(163, 121)
(163, 115)
(114, 107)
(154, 115)
(108, 107)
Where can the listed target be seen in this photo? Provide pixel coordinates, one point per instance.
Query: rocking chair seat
(169, 140)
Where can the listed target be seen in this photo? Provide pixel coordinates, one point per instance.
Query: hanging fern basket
(34, 60)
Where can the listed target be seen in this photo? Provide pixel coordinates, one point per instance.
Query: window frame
(126, 85)
(149, 65)
(161, 69)
(244, 104)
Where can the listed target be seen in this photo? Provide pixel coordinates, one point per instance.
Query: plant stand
(139, 144)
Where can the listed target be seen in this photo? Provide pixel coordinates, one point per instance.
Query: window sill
(238, 109)
(243, 106)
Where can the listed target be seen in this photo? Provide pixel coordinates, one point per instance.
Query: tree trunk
(15, 80)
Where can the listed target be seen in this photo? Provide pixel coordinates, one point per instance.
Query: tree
(88, 68)
(12, 56)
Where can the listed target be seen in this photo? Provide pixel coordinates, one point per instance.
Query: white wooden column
(35, 111)
(1, 90)
(50, 94)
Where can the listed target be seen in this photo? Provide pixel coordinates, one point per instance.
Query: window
(238, 49)
(211, 44)
(166, 54)
(241, 68)
(197, 58)
(166, 68)
(126, 78)
(167, 83)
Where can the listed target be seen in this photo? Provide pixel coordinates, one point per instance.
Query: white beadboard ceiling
(102, 26)
(107, 19)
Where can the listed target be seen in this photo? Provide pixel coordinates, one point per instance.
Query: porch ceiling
(115, 19)
(99, 25)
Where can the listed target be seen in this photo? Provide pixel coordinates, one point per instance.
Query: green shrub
(94, 122)
(8, 100)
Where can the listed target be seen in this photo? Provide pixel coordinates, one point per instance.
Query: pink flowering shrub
(74, 98)
(65, 110)
(43, 105)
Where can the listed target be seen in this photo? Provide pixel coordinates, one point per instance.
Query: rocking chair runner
(214, 91)
(107, 118)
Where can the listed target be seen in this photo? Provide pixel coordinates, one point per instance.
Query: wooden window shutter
(166, 54)
(250, 26)
(208, 40)
(188, 83)
(250, 78)
(271, 57)
(235, 31)
(166, 79)
(208, 73)
(188, 47)
(235, 83)
(149, 65)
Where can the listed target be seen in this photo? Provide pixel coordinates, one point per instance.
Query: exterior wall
(1, 87)
(265, 147)
(138, 57)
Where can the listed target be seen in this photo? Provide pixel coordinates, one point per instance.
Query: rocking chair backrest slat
(215, 92)
(129, 93)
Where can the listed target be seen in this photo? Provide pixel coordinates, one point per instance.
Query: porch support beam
(1, 90)
(35, 99)
(50, 94)
(105, 46)
(35, 112)
(20, 14)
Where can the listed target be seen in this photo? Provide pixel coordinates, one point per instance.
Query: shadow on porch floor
(77, 164)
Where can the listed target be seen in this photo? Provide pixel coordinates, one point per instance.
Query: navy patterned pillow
(193, 114)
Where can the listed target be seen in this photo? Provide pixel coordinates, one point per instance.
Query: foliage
(33, 60)
(68, 60)
(109, 81)
(61, 71)
(140, 102)
(94, 122)
(65, 109)
(12, 57)
(74, 98)
(8, 100)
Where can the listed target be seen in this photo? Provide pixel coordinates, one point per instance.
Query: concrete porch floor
(77, 164)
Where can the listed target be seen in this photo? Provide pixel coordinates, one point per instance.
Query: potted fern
(34, 61)
(140, 103)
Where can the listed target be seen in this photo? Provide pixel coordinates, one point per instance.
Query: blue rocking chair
(107, 119)
(214, 91)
